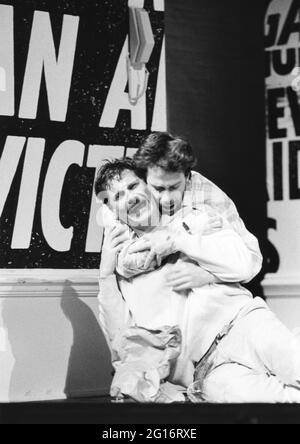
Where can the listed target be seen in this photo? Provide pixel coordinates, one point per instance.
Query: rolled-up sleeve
(224, 254)
(114, 314)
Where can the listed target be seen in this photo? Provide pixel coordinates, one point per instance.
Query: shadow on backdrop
(89, 361)
(56, 346)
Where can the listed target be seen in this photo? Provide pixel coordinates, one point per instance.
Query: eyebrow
(171, 186)
(135, 181)
(130, 184)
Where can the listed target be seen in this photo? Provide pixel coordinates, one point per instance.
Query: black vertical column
(215, 79)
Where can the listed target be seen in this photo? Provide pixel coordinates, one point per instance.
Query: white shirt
(148, 302)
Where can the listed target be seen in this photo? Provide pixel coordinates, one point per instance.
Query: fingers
(118, 249)
(140, 246)
(159, 261)
(184, 287)
(115, 231)
(171, 277)
(178, 282)
(216, 222)
(151, 257)
(118, 230)
(178, 272)
(119, 240)
(114, 236)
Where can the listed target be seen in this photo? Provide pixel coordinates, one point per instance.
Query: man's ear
(102, 197)
(105, 217)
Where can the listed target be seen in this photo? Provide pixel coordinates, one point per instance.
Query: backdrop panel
(63, 109)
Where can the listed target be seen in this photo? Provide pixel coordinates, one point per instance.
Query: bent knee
(234, 383)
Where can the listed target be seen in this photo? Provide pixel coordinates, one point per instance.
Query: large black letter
(295, 109)
(294, 171)
(284, 68)
(275, 112)
(273, 22)
(290, 26)
(277, 171)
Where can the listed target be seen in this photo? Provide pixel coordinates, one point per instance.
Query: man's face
(130, 200)
(167, 188)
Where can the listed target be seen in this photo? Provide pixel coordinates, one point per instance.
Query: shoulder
(198, 182)
(204, 192)
(197, 179)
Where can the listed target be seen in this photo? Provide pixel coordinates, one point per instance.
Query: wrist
(105, 274)
(166, 246)
(179, 243)
(213, 279)
(106, 278)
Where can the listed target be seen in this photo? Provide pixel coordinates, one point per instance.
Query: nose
(132, 200)
(165, 198)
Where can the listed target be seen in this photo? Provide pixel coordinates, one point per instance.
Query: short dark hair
(173, 154)
(113, 169)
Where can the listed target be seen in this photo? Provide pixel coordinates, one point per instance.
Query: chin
(141, 223)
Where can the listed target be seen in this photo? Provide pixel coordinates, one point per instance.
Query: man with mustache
(224, 376)
(150, 302)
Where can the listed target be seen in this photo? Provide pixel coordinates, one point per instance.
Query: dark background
(102, 31)
(216, 98)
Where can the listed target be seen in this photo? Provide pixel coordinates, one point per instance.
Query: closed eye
(133, 186)
(118, 196)
(159, 189)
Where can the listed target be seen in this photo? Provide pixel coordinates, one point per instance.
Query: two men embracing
(177, 319)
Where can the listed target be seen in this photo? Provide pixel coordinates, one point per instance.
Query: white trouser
(258, 361)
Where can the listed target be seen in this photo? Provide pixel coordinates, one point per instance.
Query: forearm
(249, 240)
(224, 254)
(113, 311)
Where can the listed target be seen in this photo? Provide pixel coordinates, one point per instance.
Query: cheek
(119, 209)
(176, 196)
(153, 191)
(112, 206)
(142, 190)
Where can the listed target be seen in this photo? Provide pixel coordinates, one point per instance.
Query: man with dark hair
(167, 163)
(153, 303)
(167, 152)
(245, 352)
(121, 185)
(113, 169)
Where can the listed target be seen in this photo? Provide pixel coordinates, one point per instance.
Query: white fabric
(114, 314)
(144, 360)
(200, 313)
(259, 361)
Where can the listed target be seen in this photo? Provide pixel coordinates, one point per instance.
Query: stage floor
(102, 411)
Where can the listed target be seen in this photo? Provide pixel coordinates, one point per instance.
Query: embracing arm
(114, 314)
(137, 258)
(224, 254)
(130, 264)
